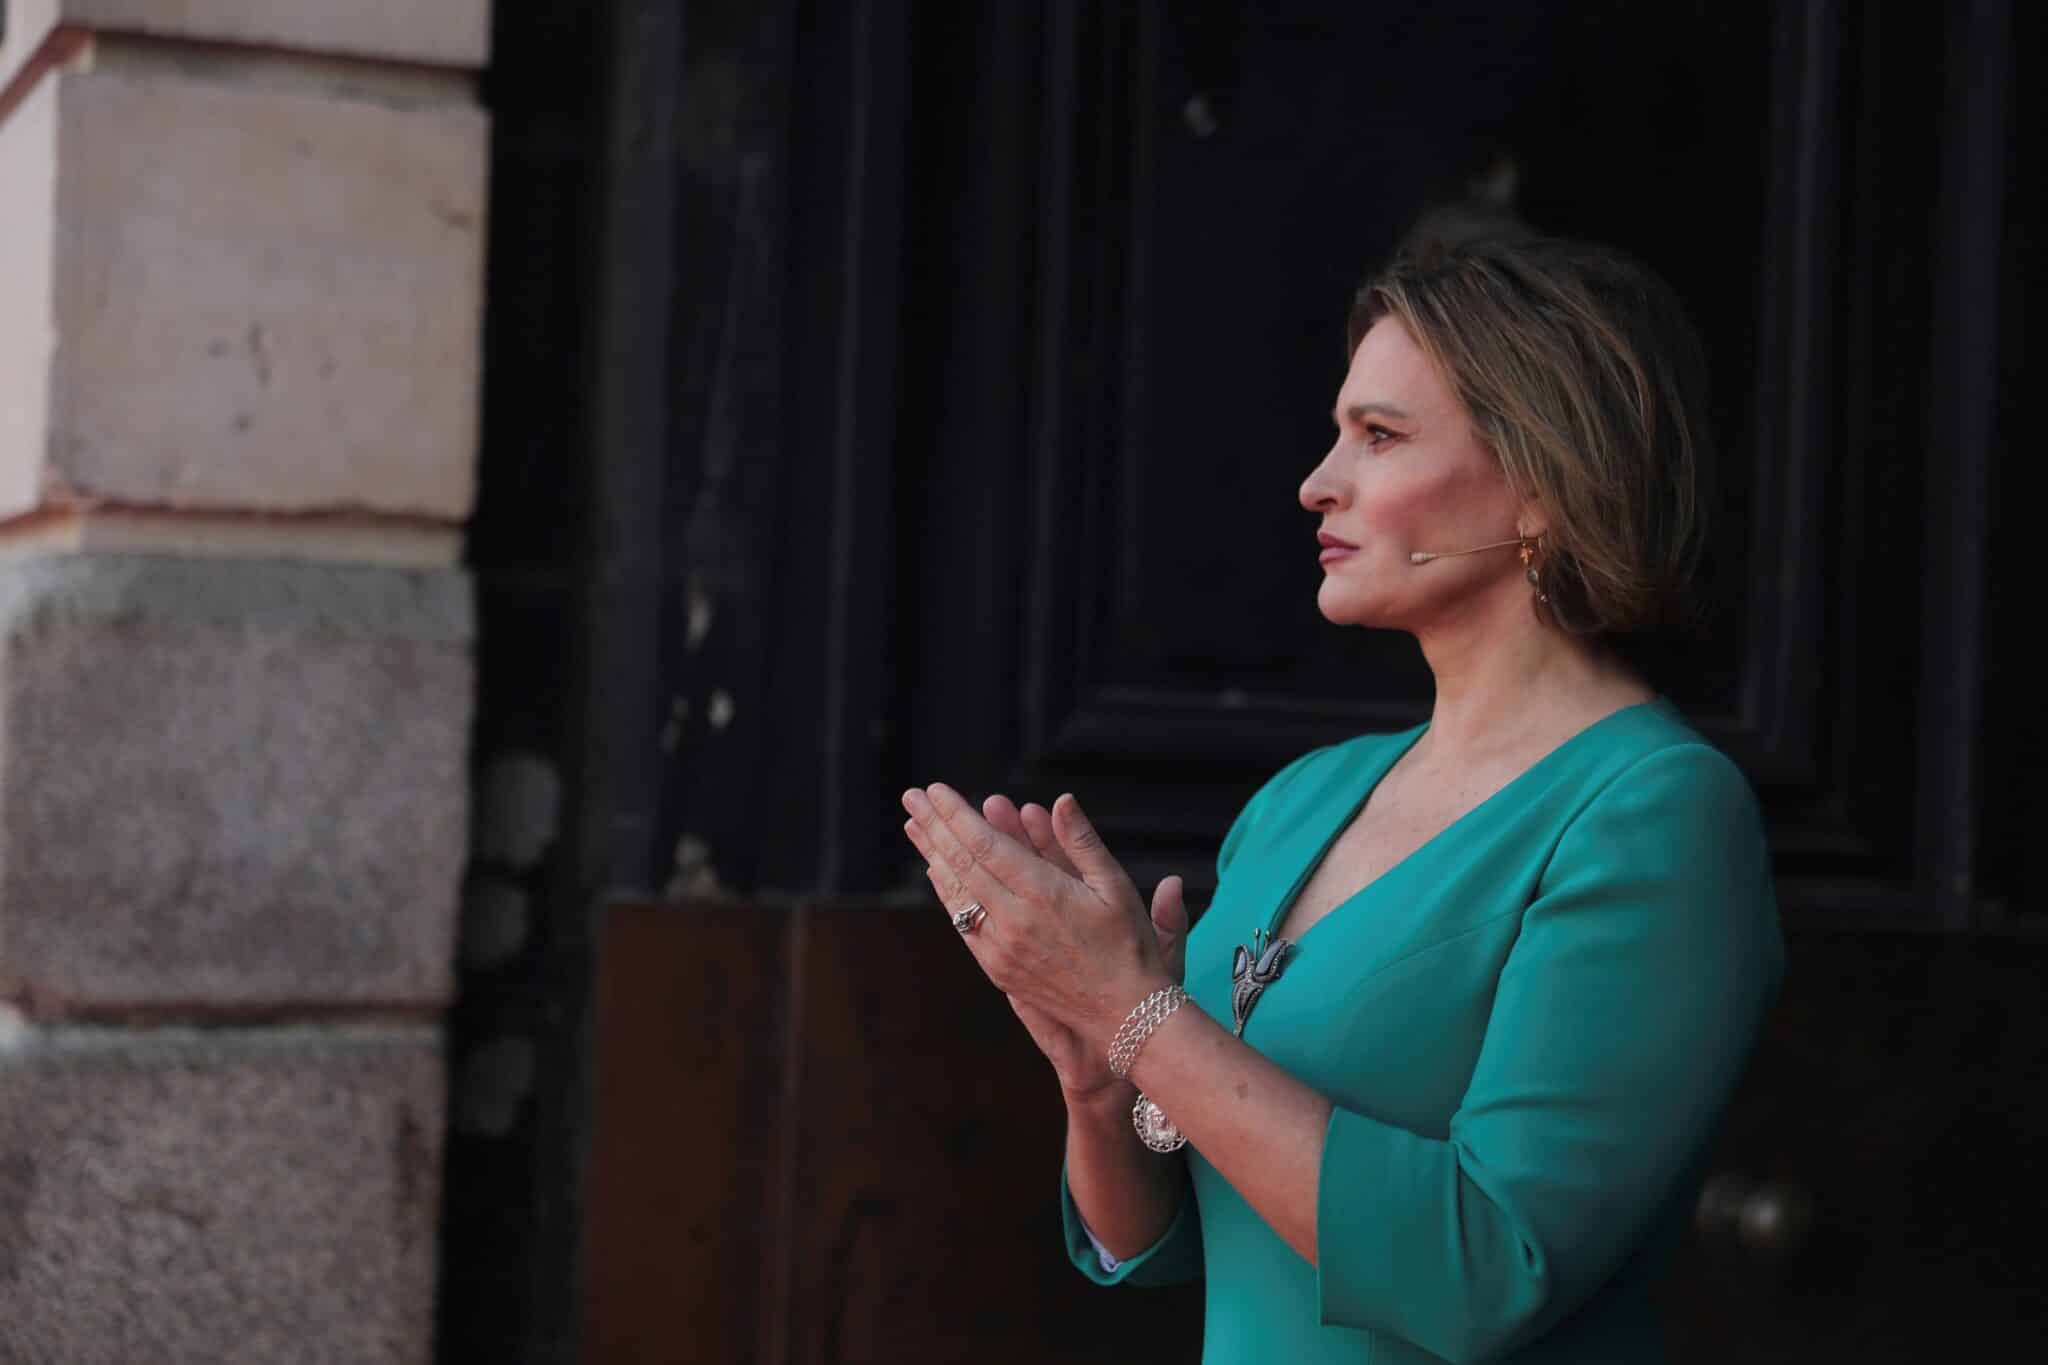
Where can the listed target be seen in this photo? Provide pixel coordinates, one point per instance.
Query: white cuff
(1109, 1262)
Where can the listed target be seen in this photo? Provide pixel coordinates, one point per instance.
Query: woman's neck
(1510, 684)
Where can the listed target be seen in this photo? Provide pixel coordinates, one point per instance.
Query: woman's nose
(1322, 490)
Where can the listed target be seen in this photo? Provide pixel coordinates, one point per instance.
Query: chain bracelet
(1138, 1026)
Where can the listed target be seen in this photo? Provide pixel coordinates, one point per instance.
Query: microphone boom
(1424, 556)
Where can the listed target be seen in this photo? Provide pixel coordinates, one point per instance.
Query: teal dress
(1528, 1030)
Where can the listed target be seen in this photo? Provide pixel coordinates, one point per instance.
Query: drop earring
(1530, 549)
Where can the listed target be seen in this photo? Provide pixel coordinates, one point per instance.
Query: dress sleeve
(1622, 1020)
(1175, 1258)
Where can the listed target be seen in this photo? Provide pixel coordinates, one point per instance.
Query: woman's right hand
(1083, 1071)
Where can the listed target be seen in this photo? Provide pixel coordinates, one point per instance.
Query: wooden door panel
(689, 1138)
(821, 1138)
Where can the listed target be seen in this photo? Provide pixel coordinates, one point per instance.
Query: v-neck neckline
(1351, 813)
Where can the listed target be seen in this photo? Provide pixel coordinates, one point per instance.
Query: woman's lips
(1332, 553)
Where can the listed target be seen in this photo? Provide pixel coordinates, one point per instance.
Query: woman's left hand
(1080, 948)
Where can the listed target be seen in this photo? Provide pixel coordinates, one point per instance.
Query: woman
(1470, 999)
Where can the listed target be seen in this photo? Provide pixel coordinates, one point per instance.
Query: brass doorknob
(1768, 1219)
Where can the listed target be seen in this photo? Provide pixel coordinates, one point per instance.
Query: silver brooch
(1251, 971)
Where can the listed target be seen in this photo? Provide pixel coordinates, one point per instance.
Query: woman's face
(1406, 473)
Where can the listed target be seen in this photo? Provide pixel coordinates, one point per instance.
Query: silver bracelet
(1138, 1026)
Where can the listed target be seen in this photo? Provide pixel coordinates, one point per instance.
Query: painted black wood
(2013, 745)
(511, 1209)
(1967, 313)
(985, 446)
(726, 505)
(1171, 649)
(819, 818)
(682, 427)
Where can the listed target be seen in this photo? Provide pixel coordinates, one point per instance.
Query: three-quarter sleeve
(1623, 1017)
(1175, 1258)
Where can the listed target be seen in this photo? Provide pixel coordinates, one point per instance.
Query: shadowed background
(881, 393)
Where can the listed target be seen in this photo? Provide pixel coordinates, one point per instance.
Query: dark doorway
(884, 392)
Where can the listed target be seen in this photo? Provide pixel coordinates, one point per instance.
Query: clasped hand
(1066, 936)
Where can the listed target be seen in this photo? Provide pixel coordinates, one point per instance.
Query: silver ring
(968, 920)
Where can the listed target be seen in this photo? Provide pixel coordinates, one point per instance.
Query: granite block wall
(241, 271)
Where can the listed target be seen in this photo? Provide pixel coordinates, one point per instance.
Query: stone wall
(241, 252)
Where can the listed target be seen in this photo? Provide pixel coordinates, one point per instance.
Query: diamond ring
(968, 920)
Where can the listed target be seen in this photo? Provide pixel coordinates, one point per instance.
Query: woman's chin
(1343, 605)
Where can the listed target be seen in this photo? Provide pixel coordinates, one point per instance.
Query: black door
(951, 371)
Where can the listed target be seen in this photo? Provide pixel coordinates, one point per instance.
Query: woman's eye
(1376, 435)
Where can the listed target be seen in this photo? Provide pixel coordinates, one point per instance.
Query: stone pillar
(241, 253)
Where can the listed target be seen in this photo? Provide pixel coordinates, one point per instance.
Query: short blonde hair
(1581, 373)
